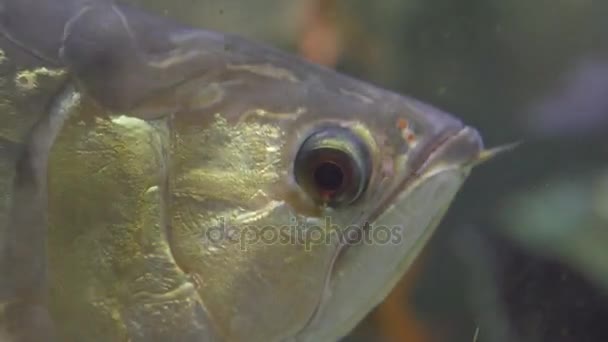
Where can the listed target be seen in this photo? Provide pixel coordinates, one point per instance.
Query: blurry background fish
(523, 253)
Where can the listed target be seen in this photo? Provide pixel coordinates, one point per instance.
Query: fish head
(275, 200)
(299, 196)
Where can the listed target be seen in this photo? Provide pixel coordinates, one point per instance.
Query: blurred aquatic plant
(578, 106)
(565, 219)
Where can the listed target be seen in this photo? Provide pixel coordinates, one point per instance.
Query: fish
(193, 185)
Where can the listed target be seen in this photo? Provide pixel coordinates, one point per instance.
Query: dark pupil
(328, 177)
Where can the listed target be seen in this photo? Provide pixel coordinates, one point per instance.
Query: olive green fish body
(204, 187)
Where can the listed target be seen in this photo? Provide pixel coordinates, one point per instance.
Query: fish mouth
(454, 148)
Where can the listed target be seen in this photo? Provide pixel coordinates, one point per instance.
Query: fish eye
(333, 166)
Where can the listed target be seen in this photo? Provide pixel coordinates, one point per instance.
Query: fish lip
(453, 147)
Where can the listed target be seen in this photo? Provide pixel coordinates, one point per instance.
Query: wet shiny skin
(133, 194)
(131, 202)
